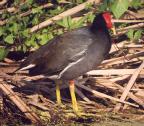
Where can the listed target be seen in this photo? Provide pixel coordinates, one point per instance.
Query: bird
(72, 54)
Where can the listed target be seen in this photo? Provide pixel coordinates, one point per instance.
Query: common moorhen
(72, 54)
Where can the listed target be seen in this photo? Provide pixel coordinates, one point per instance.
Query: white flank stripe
(80, 54)
(68, 66)
(28, 67)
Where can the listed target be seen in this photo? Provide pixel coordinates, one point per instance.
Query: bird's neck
(98, 27)
(101, 30)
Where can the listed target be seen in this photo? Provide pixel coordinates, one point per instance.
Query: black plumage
(74, 53)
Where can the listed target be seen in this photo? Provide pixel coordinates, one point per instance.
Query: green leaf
(63, 22)
(29, 42)
(29, 2)
(79, 1)
(88, 6)
(137, 34)
(130, 34)
(1, 31)
(59, 32)
(24, 7)
(77, 24)
(104, 6)
(56, 11)
(24, 48)
(9, 39)
(134, 35)
(44, 38)
(25, 21)
(119, 7)
(3, 53)
(136, 3)
(90, 17)
(35, 20)
(68, 23)
(45, 31)
(25, 33)
(17, 2)
(36, 10)
(14, 28)
(19, 48)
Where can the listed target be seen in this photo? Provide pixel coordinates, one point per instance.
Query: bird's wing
(58, 53)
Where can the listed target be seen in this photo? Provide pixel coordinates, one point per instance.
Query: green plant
(69, 24)
(3, 53)
(15, 33)
(119, 7)
(134, 34)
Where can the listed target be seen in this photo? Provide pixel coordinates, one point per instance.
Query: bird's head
(102, 21)
(107, 18)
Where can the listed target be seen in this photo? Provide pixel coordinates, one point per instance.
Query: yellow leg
(58, 95)
(73, 97)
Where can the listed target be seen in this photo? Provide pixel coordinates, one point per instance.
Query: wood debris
(117, 84)
(117, 81)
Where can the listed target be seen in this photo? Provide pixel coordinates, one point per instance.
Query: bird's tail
(24, 68)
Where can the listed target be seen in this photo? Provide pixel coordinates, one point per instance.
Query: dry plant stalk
(3, 22)
(105, 82)
(20, 104)
(120, 78)
(2, 2)
(96, 93)
(1, 101)
(62, 15)
(131, 27)
(13, 9)
(113, 72)
(122, 59)
(82, 95)
(129, 85)
(126, 21)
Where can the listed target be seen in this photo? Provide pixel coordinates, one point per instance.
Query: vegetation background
(18, 17)
(24, 28)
